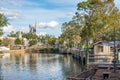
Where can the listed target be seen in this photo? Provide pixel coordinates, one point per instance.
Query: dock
(99, 72)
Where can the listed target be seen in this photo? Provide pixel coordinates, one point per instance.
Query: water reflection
(38, 67)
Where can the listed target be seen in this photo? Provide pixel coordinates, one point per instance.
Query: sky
(48, 14)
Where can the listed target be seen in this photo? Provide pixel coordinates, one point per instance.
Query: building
(33, 28)
(104, 52)
(19, 35)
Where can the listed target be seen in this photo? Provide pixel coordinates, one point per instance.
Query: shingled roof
(108, 43)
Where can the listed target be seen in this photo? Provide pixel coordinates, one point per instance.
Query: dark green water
(38, 67)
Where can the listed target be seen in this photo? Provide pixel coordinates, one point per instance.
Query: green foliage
(71, 33)
(30, 36)
(49, 50)
(1, 32)
(99, 18)
(48, 39)
(33, 38)
(0, 42)
(32, 42)
(95, 20)
(19, 42)
(1, 52)
(6, 42)
(3, 20)
(13, 34)
(52, 40)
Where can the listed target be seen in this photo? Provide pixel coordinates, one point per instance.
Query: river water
(38, 67)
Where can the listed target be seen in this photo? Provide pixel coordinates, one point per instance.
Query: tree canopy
(94, 20)
(3, 22)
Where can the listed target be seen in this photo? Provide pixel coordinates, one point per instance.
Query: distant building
(33, 28)
(20, 35)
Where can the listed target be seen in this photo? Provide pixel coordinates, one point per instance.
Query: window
(100, 48)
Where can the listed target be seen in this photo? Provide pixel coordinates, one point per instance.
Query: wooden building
(104, 52)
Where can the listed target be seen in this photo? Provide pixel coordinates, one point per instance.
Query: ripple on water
(37, 67)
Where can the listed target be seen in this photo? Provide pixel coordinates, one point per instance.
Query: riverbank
(32, 50)
(42, 50)
(15, 51)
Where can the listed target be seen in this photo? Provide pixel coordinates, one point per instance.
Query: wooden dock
(99, 72)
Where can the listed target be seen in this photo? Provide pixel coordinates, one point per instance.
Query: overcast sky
(49, 14)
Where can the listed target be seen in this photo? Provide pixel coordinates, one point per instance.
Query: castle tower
(35, 24)
(30, 29)
(20, 35)
(35, 27)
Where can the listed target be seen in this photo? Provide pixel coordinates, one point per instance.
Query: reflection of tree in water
(1, 77)
(19, 60)
(33, 62)
(52, 61)
(49, 59)
(70, 67)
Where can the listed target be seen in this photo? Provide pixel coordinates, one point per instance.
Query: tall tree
(94, 20)
(3, 22)
(100, 17)
(71, 33)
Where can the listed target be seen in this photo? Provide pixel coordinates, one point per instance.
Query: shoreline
(15, 51)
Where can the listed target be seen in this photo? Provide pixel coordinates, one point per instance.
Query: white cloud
(42, 33)
(17, 3)
(51, 24)
(8, 29)
(10, 13)
(23, 29)
(31, 12)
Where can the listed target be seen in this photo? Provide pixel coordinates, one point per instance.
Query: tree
(0, 42)
(71, 30)
(13, 34)
(94, 20)
(30, 36)
(49, 39)
(6, 42)
(3, 22)
(100, 17)
(52, 40)
(19, 42)
(32, 42)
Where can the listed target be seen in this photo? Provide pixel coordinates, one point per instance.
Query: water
(37, 67)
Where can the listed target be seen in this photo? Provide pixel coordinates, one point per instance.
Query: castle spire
(35, 24)
(35, 27)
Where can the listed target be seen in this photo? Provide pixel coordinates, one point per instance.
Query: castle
(33, 28)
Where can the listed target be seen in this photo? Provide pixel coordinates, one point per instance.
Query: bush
(17, 41)
(32, 42)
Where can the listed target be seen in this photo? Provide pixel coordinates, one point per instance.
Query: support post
(114, 60)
